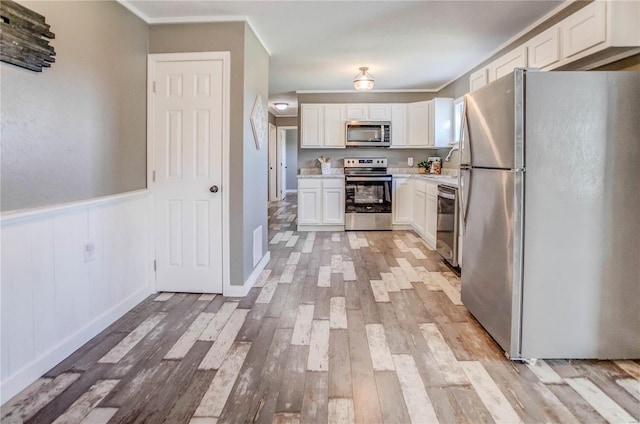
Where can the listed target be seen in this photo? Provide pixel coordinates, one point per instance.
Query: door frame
(284, 146)
(272, 174)
(152, 60)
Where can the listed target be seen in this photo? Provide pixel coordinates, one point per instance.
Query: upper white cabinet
(441, 122)
(478, 79)
(399, 125)
(334, 125)
(312, 123)
(584, 29)
(430, 123)
(516, 58)
(544, 49)
(369, 112)
(418, 124)
(609, 28)
(323, 125)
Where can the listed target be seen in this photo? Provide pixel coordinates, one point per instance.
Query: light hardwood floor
(362, 327)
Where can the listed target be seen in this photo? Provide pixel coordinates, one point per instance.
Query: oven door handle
(446, 195)
(367, 179)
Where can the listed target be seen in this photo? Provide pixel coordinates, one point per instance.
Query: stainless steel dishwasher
(447, 227)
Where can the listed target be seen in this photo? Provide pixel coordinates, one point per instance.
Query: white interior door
(187, 122)
(274, 193)
(282, 163)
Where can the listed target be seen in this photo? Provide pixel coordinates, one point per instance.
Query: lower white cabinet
(309, 202)
(431, 214)
(415, 202)
(419, 206)
(321, 202)
(402, 201)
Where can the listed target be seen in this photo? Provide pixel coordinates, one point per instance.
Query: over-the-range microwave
(368, 134)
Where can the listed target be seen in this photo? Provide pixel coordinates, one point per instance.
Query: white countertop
(337, 173)
(439, 179)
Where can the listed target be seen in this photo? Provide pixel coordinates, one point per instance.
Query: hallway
(361, 327)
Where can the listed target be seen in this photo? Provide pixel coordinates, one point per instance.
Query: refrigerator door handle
(465, 147)
(465, 187)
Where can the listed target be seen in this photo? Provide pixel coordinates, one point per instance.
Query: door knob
(213, 189)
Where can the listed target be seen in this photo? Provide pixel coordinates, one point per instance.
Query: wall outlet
(410, 161)
(89, 252)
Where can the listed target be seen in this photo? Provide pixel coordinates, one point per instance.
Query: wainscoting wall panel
(55, 294)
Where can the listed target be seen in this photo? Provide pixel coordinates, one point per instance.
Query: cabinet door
(309, 206)
(357, 112)
(418, 124)
(441, 122)
(431, 219)
(380, 112)
(312, 123)
(516, 58)
(402, 201)
(478, 79)
(399, 125)
(584, 29)
(544, 49)
(419, 207)
(334, 125)
(333, 206)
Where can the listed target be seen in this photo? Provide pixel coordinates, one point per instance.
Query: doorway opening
(283, 161)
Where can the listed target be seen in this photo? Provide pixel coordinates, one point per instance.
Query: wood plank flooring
(362, 327)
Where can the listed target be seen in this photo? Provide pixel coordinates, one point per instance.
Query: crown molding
(194, 20)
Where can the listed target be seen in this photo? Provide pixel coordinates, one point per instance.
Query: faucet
(453, 149)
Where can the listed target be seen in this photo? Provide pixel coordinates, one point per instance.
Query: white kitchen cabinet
(441, 122)
(323, 126)
(320, 204)
(380, 112)
(312, 123)
(478, 79)
(419, 206)
(431, 214)
(584, 29)
(334, 125)
(399, 126)
(333, 202)
(544, 49)
(402, 201)
(516, 58)
(418, 124)
(369, 112)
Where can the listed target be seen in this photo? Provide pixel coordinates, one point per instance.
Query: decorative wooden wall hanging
(23, 34)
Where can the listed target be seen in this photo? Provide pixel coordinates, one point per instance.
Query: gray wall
(286, 121)
(255, 162)
(234, 37)
(78, 129)
(292, 159)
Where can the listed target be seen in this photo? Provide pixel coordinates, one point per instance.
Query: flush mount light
(363, 81)
(281, 106)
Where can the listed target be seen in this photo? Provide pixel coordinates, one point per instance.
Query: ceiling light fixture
(363, 81)
(281, 106)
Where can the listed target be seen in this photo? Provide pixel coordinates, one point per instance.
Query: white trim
(290, 191)
(36, 368)
(22, 215)
(285, 116)
(305, 228)
(243, 290)
(194, 19)
(522, 33)
(225, 56)
(287, 127)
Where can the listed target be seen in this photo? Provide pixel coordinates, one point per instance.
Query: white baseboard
(243, 290)
(36, 368)
(335, 228)
(291, 191)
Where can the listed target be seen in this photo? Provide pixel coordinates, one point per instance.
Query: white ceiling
(407, 45)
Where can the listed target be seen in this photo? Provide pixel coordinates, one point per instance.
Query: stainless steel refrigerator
(550, 196)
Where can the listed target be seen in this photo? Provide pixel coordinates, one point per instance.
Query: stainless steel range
(367, 194)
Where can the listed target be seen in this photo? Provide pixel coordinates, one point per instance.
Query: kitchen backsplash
(396, 158)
